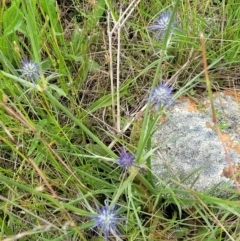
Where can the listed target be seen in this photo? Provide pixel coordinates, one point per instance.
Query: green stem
(147, 184)
(80, 124)
(114, 16)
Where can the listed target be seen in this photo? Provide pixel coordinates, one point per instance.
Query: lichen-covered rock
(190, 150)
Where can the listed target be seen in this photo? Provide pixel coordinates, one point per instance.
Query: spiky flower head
(161, 96)
(161, 24)
(126, 159)
(107, 219)
(30, 70)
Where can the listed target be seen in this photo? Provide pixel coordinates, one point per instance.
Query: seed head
(107, 219)
(126, 159)
(161, 96)
(30, 70)
(161, 25)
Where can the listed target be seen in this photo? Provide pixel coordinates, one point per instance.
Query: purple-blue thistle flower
(30, 70)
(161, 96)
(126, 159)
(161, 24)
(107, 219)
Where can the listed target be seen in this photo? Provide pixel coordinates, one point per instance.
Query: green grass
(60, 137)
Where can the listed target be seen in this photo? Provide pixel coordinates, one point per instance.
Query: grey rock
(188, 148)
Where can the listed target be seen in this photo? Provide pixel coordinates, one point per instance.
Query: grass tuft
(77, 123)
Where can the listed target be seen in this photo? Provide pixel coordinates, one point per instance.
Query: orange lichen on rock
(228, 174)
(235, 94)
(188, 140)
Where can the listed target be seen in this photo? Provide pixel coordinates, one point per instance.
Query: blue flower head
(161, 96)
(126, 159)
(107, 219)
(161, 25)
(30, 70)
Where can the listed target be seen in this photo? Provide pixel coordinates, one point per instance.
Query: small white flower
(107, 219)
(30, 70)
(161, 96)
(126, 159)
(161, 24)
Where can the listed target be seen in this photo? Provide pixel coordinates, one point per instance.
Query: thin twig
(8, 201)
(215, 218)
(111, 69)
(214, 112)
(117, 26)
(118, 77)
(121, 19)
